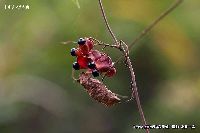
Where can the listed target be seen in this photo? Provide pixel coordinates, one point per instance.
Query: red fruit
(103, 62)
(85, 49)
(83, 62)
(111, 72)
(94, 55)
(78, 52)
(90, 43)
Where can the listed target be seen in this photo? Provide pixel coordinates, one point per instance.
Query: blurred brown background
(37, 93)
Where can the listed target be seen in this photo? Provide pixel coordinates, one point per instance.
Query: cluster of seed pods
(93, 61)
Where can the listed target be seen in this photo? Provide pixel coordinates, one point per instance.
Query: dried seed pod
(97, 90)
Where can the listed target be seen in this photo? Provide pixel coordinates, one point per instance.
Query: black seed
(81, 41)
(95, 73)
(73, 52)
(76, 66)
(91, 65)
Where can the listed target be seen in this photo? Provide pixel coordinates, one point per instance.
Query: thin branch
(133, 81)
(106, 22)
(135, 94)
(153, 24)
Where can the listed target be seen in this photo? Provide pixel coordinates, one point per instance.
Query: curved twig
(134, 94)
(106, 22)
(153, 24)
(128, 48)
(126, 51)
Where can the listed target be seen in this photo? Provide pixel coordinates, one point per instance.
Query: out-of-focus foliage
(76, 2)
(38, 95)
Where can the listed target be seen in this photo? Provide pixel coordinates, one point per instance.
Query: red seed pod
(103, 63)
(95, 55)
(83, 62)
(84, 49)
(87, 46)
(90, 43)
(111, 72)
(78, 52)
(94, 61)
(97, 90)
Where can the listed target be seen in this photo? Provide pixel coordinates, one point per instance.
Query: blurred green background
(38, 95)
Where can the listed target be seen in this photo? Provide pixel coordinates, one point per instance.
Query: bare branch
(106, 22)
(125, 52)
(134, 95)
(153, 24)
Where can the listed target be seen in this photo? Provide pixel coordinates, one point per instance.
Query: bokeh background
(38, 95)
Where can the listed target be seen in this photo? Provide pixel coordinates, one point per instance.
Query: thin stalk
(155, 22)
(135, 94)
(143, 33)
(126, 51)
(106, 22)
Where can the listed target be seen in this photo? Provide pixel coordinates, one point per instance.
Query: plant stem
(153, 24)
(143, 33)
(133, 81)
(135, 93)
(106, 22)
